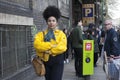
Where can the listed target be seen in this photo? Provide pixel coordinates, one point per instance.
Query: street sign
(88, 57)
(88, 14)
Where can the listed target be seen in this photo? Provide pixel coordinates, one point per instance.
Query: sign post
(88, 52)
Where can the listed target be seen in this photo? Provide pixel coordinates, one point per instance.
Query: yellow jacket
(54, 47)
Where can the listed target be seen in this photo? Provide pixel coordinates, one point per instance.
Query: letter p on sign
(87, 12)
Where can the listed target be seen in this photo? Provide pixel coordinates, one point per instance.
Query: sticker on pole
(88, 46)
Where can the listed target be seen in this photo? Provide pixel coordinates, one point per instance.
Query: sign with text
(88, 46)
(88, 13)
(88, 57)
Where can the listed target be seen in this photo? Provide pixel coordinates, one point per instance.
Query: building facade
(17, 19)
(38, 7)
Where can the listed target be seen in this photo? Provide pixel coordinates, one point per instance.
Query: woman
(66, 53)
(51, 44)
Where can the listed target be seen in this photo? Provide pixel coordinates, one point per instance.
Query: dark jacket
(76, 37)
(91, 37)
(112, 45)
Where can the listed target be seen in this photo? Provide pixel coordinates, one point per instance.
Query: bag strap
(43, 34)
(39, 60)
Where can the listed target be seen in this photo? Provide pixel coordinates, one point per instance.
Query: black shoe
(80, 75)
(95, 65)
(77, 74)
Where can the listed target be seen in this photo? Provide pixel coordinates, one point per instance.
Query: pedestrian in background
(101, 41)
(112, 48)
(66, 53)
(96, 46)
(77, 43)
(90, 35)
(101, 36)
(50, 45)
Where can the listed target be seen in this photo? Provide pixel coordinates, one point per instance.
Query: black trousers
(78, 61)
(54, 67)
(95, 57)
(66, 55)
(100, 48)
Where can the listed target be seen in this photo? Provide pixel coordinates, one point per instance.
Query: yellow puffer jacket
(54, 47)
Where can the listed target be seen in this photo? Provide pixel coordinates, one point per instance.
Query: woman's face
(52, 22)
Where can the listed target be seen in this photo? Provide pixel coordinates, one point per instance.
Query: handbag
(38, 66)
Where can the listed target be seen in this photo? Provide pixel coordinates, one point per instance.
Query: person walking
(50, 45)
(112, 48)
(96, 46)
(77, 43)
(66, 53)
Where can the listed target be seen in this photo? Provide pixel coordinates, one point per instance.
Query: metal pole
(1, 53)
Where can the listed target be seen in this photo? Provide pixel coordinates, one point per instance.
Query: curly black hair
(51, 11)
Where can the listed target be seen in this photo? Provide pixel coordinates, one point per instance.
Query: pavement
(69, 72)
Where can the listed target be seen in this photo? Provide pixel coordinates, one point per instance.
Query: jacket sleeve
(115, 48)
(39, 43)
(80, 36)
(61, 44)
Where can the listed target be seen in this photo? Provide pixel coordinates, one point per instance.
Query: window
(15, 48)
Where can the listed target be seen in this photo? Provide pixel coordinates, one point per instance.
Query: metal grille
(15, 48)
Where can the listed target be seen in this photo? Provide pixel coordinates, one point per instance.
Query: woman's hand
(53, 46)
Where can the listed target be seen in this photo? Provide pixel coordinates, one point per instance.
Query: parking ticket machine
(88, 57)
